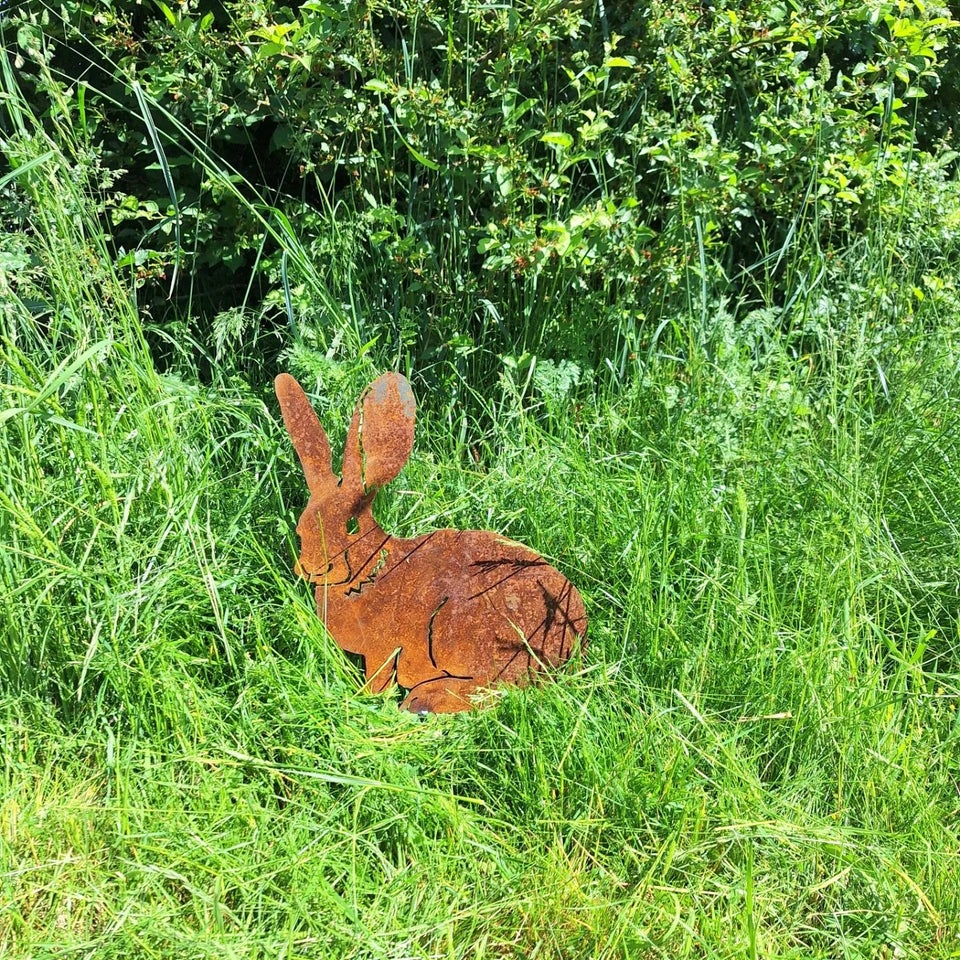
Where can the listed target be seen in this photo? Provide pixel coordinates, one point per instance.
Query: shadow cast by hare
(444, 615)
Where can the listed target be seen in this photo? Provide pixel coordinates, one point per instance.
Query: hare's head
(339, 539)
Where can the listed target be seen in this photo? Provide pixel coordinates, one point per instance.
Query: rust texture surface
(445, 615)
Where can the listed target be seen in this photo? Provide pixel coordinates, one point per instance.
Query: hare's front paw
(443, 695)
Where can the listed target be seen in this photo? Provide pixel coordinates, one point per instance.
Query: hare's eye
(353, 525)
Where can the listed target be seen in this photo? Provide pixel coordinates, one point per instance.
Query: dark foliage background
(486, 184)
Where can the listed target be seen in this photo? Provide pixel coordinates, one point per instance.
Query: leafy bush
(525, 178)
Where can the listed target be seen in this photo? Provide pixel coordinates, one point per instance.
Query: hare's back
(502, 610)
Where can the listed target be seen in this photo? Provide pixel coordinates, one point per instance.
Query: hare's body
(452, 612)
(446, 614)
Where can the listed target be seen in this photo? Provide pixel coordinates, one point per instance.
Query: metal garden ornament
(446, 615)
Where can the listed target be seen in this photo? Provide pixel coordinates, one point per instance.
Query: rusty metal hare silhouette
(445, 615)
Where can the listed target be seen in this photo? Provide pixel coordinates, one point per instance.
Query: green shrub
(525, 178)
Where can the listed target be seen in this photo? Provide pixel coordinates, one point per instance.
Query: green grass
(758, 757)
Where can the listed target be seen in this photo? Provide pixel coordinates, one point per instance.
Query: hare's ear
(309, 440)
(381, 433)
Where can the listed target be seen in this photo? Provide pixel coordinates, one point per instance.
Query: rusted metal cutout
(444, 615)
